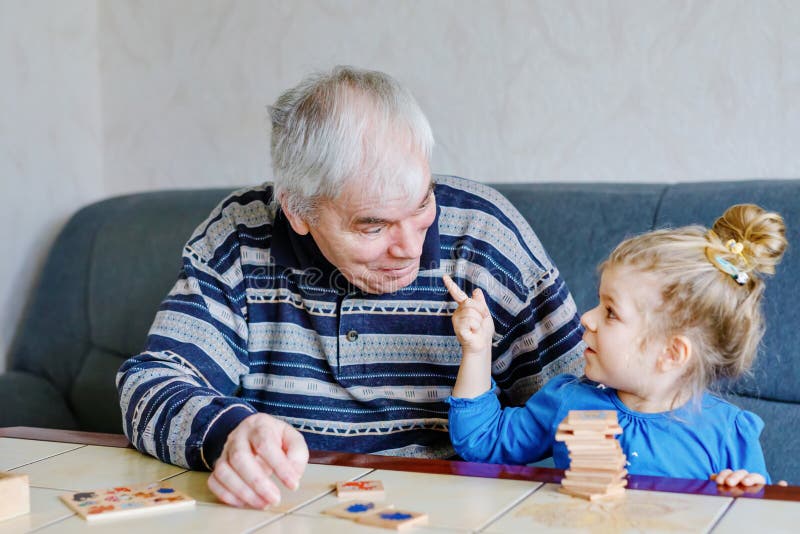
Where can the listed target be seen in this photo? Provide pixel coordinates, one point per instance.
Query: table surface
(457, 496)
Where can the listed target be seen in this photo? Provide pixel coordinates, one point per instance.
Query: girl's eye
(610, 313)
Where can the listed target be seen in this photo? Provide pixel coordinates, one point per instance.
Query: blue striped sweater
(259, 321)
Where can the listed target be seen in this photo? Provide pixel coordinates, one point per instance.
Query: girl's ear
(677, 353)
(298, 224)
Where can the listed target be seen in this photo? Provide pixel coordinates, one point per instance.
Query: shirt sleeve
(178, 396)
(482, 431)
(742, 446)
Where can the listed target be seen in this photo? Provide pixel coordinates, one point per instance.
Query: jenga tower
(597, 464)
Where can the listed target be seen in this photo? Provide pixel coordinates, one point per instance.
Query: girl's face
(615, 354)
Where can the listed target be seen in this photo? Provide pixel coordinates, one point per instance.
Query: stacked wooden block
(597, 463)
(14, 495)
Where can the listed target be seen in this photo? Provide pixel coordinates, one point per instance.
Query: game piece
(15, 496)
(371, 490)
(355, 509)
(595, 476)
(597, 463)
(597, 486)
(394, 519)
(592, 418)
(593, 495)
(126, 501)
(568, 432)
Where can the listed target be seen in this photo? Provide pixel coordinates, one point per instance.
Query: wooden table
(458, 496)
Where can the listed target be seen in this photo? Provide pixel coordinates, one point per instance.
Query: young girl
(679, 309)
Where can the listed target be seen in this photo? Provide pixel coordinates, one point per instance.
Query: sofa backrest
(115, 261)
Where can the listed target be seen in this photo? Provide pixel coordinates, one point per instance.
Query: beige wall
(113, 96)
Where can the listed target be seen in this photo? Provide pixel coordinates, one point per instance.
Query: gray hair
(340, 126)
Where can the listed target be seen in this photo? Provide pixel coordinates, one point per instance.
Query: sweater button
(352, 335)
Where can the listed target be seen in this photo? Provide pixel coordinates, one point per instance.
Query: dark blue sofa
(115, 260)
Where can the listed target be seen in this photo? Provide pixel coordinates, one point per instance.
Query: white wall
(634, 90)
(50, 136)
(112, 96)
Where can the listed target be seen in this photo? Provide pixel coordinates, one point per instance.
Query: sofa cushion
(31, 400)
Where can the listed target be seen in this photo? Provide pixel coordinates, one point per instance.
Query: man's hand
(472, 321)
(256, 449)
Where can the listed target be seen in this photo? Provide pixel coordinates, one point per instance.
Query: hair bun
(761, 233)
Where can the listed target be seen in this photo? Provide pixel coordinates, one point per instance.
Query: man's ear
(677, 353)
(299, 224)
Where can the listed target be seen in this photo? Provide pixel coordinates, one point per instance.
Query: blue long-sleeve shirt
(259, 321)
(684, 443)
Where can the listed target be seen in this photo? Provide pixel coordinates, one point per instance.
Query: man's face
(375, 245)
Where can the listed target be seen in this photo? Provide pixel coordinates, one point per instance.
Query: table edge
(438, 467)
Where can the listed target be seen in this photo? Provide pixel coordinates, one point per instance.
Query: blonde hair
(720, 316)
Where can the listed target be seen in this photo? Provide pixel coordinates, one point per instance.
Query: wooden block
(612, 458)
(580, 437)
(394, 519)
(597, 458)
(595, 476)
(565, 430)
(591, 496)
(125, 501)
(617, 465)
(15, 497)
(368, 490)
(595, 487)
(592, 419)
(605, 446)
(355, 509)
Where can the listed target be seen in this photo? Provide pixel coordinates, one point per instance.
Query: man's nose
(407, 241)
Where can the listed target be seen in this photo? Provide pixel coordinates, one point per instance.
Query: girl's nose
(588, 320)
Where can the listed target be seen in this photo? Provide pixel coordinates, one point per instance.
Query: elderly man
(311, 311)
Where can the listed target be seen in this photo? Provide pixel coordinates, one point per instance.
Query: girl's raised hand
(472, 321)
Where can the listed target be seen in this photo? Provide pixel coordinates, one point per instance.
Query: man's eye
(373, 230)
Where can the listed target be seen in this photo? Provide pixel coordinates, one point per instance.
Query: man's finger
(273, 455)
(229, 475)
(223, 493)
(296, 451)
(458, 295)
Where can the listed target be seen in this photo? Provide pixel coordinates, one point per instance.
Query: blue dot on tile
(361, 507)
(396, 516)
(166, 490)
